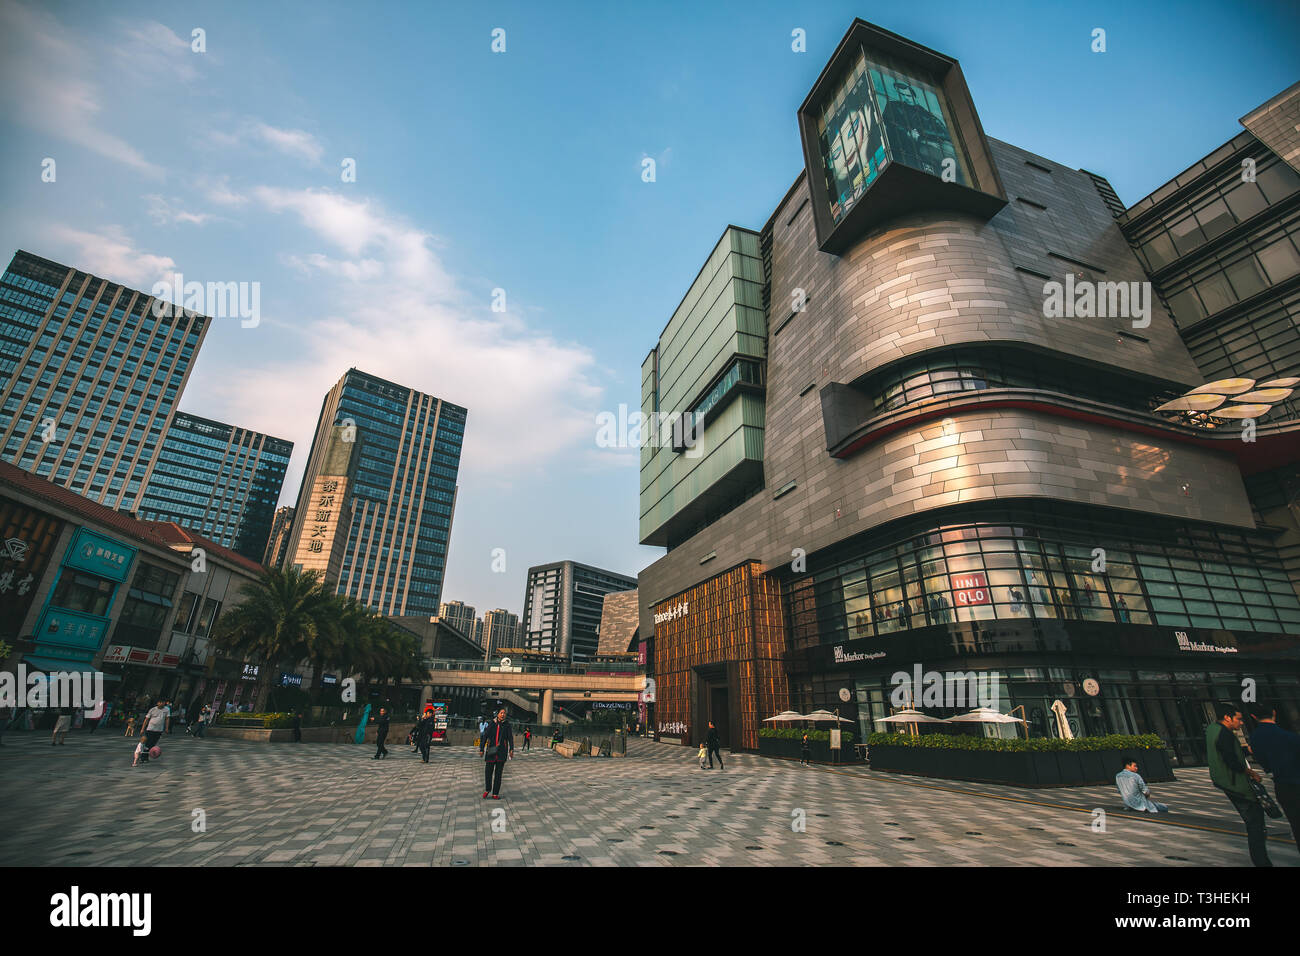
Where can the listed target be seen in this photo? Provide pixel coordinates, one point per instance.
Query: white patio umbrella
(910, 717)
(786, 715)
(826, 715)
(986, 715)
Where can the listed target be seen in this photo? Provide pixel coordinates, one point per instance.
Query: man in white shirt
(155, 724)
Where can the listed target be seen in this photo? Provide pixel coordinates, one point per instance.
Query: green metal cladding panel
(720, 317)
(675, 480)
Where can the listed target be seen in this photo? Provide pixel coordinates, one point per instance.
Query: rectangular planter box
(1019, 768)
(788, 749)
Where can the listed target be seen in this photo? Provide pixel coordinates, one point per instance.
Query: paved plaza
(329, 804)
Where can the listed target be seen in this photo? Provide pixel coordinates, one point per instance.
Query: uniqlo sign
(968, 589)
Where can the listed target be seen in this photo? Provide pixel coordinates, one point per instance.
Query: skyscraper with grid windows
(89, 378)
(400, 496)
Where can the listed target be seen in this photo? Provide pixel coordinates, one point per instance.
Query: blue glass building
(88, 378)
(218, 480)
(400, 499)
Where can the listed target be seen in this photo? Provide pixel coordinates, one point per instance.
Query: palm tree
(285, 616)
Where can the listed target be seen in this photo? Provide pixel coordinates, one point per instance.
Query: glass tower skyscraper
(89, 377)
(401, 496)
(218, 480)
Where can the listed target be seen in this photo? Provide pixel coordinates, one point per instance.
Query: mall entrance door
(719, 712)
(711, 701)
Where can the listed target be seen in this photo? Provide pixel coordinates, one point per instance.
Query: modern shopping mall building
(896, 445)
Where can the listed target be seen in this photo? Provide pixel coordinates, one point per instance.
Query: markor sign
(673, 613)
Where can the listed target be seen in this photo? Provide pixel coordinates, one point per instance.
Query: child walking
(703, 755)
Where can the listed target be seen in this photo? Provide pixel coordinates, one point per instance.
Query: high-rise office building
(277, 546)
(462, 617)
(218, 480)
(323, 517)
(930, 462)
(89, 377)
(500, 629)
(401, 497)
(562, 607)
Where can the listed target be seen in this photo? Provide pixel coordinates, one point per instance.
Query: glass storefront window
(86, 593)
(997, 577)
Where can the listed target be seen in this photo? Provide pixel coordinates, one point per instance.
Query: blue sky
(520, 171)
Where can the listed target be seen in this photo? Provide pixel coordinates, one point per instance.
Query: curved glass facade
(1028, 564)
(941, 373)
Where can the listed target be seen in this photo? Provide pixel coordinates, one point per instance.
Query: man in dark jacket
(495, 746)
(713, 743)
(1278, 752)
(381, 733)
(297, 728)
(1229, 772)
(424, 733)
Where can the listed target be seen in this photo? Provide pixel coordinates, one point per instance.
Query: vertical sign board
(27, 541)
(73, 635)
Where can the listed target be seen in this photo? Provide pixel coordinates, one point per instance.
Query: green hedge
(794, 733)
(948, 742)
(272, 721)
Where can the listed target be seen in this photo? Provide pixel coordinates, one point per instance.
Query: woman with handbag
(495, 746)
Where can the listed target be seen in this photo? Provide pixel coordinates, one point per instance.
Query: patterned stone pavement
(326, 804)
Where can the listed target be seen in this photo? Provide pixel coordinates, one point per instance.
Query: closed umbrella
(1062, 725)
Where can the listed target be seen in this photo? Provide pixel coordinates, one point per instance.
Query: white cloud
(291, 142)
(110, 254)
(401, 316)
(219, 191)
(153, 50)
(46, 84)
(166, 212)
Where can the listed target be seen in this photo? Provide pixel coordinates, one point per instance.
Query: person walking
(381, 733)
(714, 744)
(1229, 772)
(171, 722)
(297, 728)
(424, 733)
(528, 738)
(496, 746)
(1134, 790)
(201, 721)
(155, 725)
(61, 726)
(805, 750)
(1278, 752)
